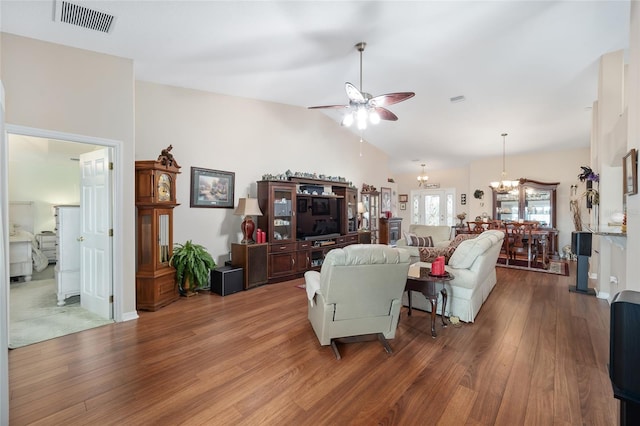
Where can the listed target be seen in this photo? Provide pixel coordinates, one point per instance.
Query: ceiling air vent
(83, 16)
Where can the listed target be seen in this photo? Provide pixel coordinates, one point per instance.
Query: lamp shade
(361, 207)
(248, 207)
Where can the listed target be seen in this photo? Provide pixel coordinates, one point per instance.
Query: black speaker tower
(581, 246)
(624, 353)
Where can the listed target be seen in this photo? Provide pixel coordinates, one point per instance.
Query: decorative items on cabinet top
(305, 176)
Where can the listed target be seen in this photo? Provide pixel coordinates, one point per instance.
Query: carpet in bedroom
(35, 315)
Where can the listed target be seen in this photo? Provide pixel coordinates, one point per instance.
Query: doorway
(433, 207)
(46, 171)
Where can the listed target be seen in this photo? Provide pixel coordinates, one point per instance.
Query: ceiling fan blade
(390, 99)
(329, 106)
(385, 114)
(354, 94)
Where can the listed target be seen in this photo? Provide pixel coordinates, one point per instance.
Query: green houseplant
(193, 263)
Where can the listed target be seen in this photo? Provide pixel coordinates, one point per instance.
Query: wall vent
(456, 99)
(83, 16)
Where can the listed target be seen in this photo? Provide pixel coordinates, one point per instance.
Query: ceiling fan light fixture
(374, 117)
(362, 116)
(363, 107)
(347, 120)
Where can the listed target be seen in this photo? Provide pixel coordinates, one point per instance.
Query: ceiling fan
(363, 107)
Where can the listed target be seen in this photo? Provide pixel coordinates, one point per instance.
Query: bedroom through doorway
(45, 298)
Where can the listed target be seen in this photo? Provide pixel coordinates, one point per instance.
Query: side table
(253, 259)
(421, 280)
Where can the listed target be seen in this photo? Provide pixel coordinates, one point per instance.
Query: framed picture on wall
(630, 172)
(403, 206)
(403, 198)
(212, 188)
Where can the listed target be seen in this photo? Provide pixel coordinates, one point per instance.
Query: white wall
(249, 138)
(44, 177)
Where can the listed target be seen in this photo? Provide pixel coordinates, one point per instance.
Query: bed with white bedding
(24, 254)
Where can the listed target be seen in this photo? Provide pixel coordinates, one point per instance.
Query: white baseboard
(128, 316)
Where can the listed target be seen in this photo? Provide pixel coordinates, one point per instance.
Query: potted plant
(193, 263)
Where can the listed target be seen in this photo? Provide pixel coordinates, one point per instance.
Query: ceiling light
(504, 185)
(422, 178)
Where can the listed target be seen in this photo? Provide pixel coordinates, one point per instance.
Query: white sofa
(473, 265)
(441, 236)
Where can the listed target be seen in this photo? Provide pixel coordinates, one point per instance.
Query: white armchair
(357, 294)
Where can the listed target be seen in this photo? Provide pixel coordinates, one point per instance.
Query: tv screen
(317, 216)
(321, 206)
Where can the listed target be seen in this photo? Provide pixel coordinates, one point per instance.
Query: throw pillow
(407, 237)
(421, 241)
(429, 254)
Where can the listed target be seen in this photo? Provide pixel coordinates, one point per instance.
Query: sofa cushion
(467, 252)
(429, 254)
(421, 241)
(460, 238)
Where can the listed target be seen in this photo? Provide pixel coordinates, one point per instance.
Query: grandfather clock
(155, 199)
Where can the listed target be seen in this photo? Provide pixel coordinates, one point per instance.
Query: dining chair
(522, 243)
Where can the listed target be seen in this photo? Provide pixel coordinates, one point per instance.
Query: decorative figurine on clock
(155, 200)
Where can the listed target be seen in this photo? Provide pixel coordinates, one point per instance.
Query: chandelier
(422, 178)
(504, 185)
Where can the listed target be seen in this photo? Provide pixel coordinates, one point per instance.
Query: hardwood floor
(537, 354)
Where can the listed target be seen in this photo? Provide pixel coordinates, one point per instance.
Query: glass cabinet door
(537, 206)
(282, 214)
(371, 202)
(507, 206)
(352, 210)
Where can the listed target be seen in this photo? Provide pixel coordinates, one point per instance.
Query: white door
(95, 230)
(433, 207)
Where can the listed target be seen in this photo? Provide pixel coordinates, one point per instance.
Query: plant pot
(188, 289)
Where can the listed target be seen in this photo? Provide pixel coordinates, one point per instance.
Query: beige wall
(62, 89)
(249, 138)
(550, 166)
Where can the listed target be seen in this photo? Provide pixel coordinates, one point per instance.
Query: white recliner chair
(357, 294)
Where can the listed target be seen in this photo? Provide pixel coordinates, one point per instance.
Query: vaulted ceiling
(527, 68)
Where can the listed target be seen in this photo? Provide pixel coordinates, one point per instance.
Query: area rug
(35, 315)
(557, 267)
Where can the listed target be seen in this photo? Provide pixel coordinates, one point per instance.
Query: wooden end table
(421, 280)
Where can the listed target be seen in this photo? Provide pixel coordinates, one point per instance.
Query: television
(318, 217)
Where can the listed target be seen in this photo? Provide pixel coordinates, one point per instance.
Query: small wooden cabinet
(390, 230)
(253, 259)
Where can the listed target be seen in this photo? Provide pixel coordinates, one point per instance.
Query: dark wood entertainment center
(303, 220)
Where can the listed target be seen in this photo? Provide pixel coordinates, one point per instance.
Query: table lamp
(247, 207)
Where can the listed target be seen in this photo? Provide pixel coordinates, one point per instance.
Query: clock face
(164, 187)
